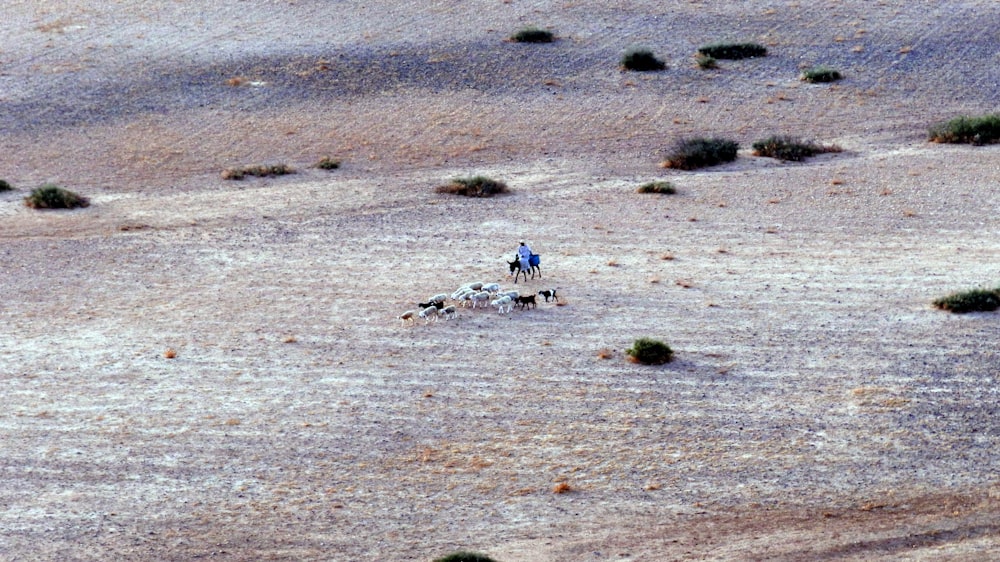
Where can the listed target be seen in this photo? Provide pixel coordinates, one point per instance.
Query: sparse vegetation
(733, 51)
(984, 129)
(650, 352)
(327, 163)
(790, 148)
(259, 171)
(641, 60)
(706, 62)
(562, 488)
(976, 300)
(533, 35)
(818, 74)
(464, 556)
(691, 154)
(662, 187)
(51, 196)
(478, 186)
(4, 186)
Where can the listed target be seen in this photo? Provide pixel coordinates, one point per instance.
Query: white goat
(408, 315)
(480, 297)
(503, 301)
(428, 314)
(464, 297)
(492, 288)
(462, 294)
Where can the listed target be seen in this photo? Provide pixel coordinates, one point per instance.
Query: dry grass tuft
(562, 488)
(605, 353)
(170, 353)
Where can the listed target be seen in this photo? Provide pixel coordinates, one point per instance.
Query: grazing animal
(407, 316)
(478, 285)
(449, 312)
(525, 301)
(549, 294)
(428, 314)
(517, 268)
(491, 288)
(457, 295)
(513, 294)
(432, 302)
(480, 297)
(465, 297)
(439, 298)
(502, 302)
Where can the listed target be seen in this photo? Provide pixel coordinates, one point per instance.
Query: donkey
(516, 269)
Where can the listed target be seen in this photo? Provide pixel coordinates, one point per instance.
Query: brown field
(195, 368)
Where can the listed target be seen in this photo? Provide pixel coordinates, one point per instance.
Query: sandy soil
(818, 408)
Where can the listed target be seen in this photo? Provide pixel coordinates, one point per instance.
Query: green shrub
(533, 35)
(663, 187)
(478, 186)
(641, 60)
(259, 171)
(789, 148)
(733, 51)
(690, 154)
(51, 196)
(463, 556)
(650, 352)
(4, 186)
(327, 163)
(973, 130)
(819, 74)
(706, 62)
(976, 300)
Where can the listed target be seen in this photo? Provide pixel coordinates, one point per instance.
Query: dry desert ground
(195, 368)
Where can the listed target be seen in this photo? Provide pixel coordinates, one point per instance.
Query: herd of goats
(477, 294)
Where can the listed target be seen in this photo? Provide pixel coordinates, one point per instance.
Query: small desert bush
(650, 352)
(4, 186)
(478, 186)
(641, 60)
(51, 196)
(976, 300)
(706, 62)
(259, 171)
(663, 187)
(984, 129)
(789, 148)
(533, 35)
(327, 163)
(463, 556)
(733, 51)
(818, 74)
(690, 154)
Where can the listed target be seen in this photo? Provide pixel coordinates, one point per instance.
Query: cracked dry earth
(195, 368)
